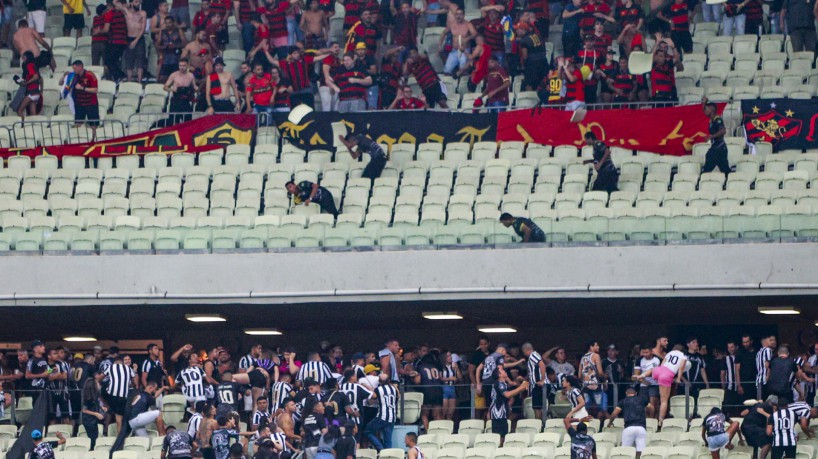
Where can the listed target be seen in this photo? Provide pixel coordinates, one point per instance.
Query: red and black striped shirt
(350, 91)
(575, 90)
(352, 12)
(393, 71)
(662, 79)
(29, 70)
(297, 72)
(82, 97)
(333, 63)
(754, 11)
(680, 17)
(494, 36)
(369, 35)
(282, 98)
(245, 11)
(424, 73)
(99, 23)
(539, 8)
(277, 18)
(118, 32)
(221, 7)
(590, 58)
(629, 15)
(586, 23)
(602, 43)
(625, 82)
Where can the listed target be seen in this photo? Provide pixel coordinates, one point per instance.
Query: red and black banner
(785, 123)
(668, 131)
(206, 133)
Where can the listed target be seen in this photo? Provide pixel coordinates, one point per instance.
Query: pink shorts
(664, 376)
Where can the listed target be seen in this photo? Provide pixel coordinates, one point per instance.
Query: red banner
(202, 134)
(668, 131)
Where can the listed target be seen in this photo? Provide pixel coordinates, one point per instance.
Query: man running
(717, 153)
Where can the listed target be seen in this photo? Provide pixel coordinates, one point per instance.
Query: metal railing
(31, 134)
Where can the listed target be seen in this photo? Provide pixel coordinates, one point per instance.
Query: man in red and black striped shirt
(297, 70)
(427, 78)
(365, 31)
(274, 13)
(329, 67)
(662, 76)
(117, 31)
(86, 103)
(242, 10)
(31, 80)
(677, 15)
(351, 82)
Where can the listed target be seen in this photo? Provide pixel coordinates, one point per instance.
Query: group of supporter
(294, 399)
(289, 57)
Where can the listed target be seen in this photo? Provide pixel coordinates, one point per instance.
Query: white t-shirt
(673, 360)
(370, 382)
(649, 364)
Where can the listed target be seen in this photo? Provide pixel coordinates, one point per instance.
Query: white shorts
(635, 436)
(143, 420)
(36, 20)
(34, 97)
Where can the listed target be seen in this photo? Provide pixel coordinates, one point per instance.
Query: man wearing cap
(219, 86)
(44, 449)
(86, 103)
(358, 361)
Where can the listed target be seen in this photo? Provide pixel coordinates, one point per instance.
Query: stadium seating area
(428, 194)
(678, 438)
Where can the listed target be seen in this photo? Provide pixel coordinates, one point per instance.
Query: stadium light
(262, 332)
(497, 329)
(450, 315)
(779, 310)
(206, 317)
(79, 339)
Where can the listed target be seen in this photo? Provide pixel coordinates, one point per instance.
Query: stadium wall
(374, 275)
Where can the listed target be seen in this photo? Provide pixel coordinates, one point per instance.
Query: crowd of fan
(305, 405)
(289, 57)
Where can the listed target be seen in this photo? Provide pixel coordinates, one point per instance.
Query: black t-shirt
(633, 411)
(370, 147)
(345, 447)
(582, 445)
(754, 418)
(780, 372)
(747, 360)
(141, 404)
(336, 403)
(615, 371)
(535, 46)
(38, 366)
(228, 393)
(599, 153)
(312, 429)
(697, 365)
(714, 424)
(716, 124)
(80, 373)
(477, 357)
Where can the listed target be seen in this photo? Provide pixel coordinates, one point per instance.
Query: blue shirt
(570, 26)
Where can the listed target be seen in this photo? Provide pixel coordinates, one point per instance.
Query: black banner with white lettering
(315, 131)
(785, 123)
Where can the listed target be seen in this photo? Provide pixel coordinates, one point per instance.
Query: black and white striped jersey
(799, 361)
(260, 417)
(193, 424)
(280, 437)
(120, 378)
(783, 422)
(318, 371)
(801, 409)
(446, 373)
(534, 375)
(281, 391)
(246, 362)
(573, 397)
(387, 408)
(764, 355)
(730, 376)
(193, 382)
(356, 394)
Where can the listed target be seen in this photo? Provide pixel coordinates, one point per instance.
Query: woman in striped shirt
(573, 390)
(449, 376)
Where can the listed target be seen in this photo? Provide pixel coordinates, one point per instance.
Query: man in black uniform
(717, 154)
(524, 228)
(582, 445)
(607, 177)
(307, 192)
(366, 145)
(336, 402)
(533, 57)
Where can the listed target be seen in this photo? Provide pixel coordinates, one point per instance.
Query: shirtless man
(315, 25)
(284, 420)
(158, 19)
(462, 33)
(447, 7)
(219, 86)
(182, 87)
(199, 53)
(27, 39)
(133, 60)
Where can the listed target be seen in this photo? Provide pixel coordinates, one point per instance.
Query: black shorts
(118, 404)
(257, 379)
(499, 426)
(649, 391)
(433, 396)
(434, 94)
(536, 397)
(74, 21)
(223, 106)
(89, 113)
(44, 59)
(756, 436)
(779, 452)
